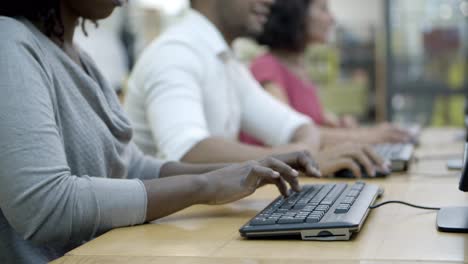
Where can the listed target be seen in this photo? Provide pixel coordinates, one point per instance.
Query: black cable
(405, 203)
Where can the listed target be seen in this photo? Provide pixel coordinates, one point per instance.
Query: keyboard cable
(404, 203)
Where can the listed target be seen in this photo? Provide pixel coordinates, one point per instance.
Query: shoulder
(18, 41)
(190, 38)
(13, 31)
(22, 56)
(266, 58)
(176, 42)
(266, 62)
(171, 51)
(267, 68)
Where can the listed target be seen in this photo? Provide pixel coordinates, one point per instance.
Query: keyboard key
(322, 208)
(274, 206)
(256, 221)
(334, 194)
(281, 211)
(288, 220)
(302, 215)
(299, 206)
(308, 209)
(348, 200)
(321, 195)
(311, 193)
(358, 186)
(342, 209)
(313, 219)
(287, 206)
(353, 193)
(317, 213)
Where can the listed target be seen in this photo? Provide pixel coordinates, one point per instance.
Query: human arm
(276, 91)
(174, 106)
(169, 195)
(45, 202)
(330, 160)
(335, 130)
(41, 196)
(220, 150)
(383, 133)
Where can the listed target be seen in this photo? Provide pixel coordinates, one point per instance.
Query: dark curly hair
(286, 28)
(45, 12)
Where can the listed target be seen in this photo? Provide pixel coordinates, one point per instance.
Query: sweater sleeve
(40, 197)
(142, 166)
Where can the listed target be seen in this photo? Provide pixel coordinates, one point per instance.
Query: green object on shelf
(448, 111)
(345, 98)
(456, 74)
(323, 63)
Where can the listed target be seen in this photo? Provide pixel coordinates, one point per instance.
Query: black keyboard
(319, 212)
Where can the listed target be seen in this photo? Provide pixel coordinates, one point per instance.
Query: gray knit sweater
(68, 171)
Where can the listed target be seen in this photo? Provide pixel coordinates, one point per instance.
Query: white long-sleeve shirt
(188, 86)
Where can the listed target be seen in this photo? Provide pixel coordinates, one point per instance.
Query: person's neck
(69, 21)
(290, 58)
(210, 14)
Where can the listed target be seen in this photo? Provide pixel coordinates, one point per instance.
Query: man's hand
(352, 157)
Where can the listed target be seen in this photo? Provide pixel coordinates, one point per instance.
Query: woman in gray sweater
(68, 169)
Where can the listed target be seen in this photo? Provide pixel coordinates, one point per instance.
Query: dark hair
(45, 12)
(286, 28)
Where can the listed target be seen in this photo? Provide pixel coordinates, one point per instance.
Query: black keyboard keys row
(322, 193)
(309, 206)
(315, 217)
(342, 208)
(291, 201)
(333, 195)
(350, 198)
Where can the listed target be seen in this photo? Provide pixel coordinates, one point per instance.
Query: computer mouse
(349, 174)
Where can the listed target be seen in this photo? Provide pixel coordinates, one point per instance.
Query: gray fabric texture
(68, 169)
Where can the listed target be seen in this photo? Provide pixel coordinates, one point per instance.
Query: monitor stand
(453, 219)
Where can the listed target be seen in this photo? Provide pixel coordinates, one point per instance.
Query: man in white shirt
(189, 97)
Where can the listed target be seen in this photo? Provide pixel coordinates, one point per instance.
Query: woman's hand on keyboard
(352, 157)
(238, 181)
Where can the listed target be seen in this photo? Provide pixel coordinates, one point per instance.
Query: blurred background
(399, 60)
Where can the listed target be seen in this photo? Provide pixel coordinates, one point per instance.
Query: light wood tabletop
(391, 234)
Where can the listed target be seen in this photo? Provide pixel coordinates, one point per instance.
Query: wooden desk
(391, 234)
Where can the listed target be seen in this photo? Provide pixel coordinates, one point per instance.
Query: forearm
(310, 136)
(178, 168)
(333, 136)
(218, 150)
(169, 195)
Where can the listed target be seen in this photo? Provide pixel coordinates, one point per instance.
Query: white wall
(358, 11)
